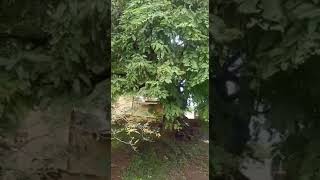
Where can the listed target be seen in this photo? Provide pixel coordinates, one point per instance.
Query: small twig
(127, 143)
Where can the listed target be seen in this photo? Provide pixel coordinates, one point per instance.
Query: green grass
(156, 161)
(147, 166)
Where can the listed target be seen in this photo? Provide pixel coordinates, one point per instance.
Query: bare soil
(120, 160)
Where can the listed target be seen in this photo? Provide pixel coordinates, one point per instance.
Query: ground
(195, 169)
(120, 159)
(167, 159)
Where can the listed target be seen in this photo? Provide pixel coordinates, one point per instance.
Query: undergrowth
(157, 161)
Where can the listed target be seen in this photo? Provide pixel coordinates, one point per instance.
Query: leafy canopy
(160, 49)
(50, 49)
(281, 39)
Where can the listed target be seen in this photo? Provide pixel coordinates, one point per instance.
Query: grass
(147, 166)
(164, 159)
(157, 161)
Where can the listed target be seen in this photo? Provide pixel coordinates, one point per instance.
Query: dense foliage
(281, 40)
(160, 49)
(49, 49)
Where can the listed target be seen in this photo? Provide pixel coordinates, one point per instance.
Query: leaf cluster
(281, 40)
(159, 48)
(49, 49)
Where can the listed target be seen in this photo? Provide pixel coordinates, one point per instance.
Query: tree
(52, 54)
(160, 49)
(49, 50)
(281, 40)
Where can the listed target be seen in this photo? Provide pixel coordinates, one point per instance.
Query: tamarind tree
(160, 49)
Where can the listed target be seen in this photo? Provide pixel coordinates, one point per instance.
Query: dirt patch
(41, 148)
(196, 169)
(120, 160)
(193, 171)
